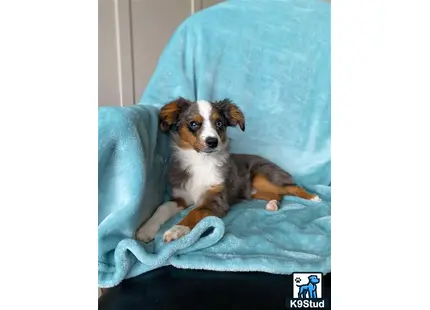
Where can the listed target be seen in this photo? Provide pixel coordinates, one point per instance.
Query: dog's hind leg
(267, 177)
(276, 184)
(265, 196)
(270, 178)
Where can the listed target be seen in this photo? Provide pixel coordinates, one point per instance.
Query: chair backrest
(270, 57)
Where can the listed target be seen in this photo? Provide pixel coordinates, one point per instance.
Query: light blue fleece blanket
(270, 57)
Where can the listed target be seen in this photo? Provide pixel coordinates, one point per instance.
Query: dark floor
(171, 288)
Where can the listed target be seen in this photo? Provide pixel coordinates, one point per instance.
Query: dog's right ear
(169, 113)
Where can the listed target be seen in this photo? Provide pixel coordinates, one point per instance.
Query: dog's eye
(194, 125)
(218, 123)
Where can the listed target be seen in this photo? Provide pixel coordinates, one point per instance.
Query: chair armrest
(132, 161)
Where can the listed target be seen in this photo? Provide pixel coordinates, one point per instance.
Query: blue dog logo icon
(308, 290)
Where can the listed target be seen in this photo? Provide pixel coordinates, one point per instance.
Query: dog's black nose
(211, 142)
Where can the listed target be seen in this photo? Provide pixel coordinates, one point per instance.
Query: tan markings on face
(190, 139)
(198, 118)
(215, 116)
(187, 138)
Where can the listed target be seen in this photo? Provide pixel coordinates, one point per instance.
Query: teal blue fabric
(270, 57)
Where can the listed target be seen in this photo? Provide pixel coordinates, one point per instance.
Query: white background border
(48, 153)
(380, 153)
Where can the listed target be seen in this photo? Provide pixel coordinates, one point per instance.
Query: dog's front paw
(175, 232)
(147, 232)
(316, 198)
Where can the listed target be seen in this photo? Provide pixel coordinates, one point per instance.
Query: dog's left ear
(231, 113)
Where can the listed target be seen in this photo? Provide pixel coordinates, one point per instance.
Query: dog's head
(313, 279)
(200, 125)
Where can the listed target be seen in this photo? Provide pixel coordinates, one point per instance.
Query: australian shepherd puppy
(204, 174)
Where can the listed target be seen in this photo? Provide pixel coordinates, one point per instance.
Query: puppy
(203, 173)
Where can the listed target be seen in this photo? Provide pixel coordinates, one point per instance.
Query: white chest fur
(205, 172)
